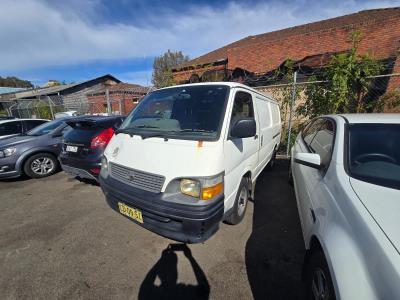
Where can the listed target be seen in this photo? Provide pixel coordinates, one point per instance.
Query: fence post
(51, 107)
(291, 113)
(108, 102)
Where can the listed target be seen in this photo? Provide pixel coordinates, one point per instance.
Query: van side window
(322, 142)
(242, 107)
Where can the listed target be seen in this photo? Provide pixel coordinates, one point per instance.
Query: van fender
(229, 204)
(346, 263)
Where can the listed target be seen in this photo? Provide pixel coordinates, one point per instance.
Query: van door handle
(256, 136)
(312, 215)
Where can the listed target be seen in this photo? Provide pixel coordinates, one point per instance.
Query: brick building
(309, 45)
(123, 97)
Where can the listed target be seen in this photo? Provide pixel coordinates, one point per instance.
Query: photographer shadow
(166, 270)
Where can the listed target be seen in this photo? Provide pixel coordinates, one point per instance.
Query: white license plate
(72, 149)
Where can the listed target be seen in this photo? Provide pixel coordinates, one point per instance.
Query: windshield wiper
(124, 130)
(154, 135)
(145, 126)
(195, 130)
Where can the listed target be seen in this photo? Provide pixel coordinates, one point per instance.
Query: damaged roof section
(310, 46)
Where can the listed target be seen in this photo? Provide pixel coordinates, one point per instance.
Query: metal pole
(51, 108)
(291, 113)
(108, 102)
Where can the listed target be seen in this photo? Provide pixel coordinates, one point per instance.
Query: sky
(76, 40)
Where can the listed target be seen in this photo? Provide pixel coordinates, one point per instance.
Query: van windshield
(185, 112)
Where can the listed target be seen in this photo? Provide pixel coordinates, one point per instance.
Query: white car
(12, 127)
(70, 113)
(188, 158)
(346, 174)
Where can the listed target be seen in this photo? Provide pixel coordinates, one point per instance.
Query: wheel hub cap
(243, 196)
(319, 285)
(42, 166)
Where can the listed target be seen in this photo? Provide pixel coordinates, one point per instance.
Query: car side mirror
(311, 160)
(244, 128)
(57, 134)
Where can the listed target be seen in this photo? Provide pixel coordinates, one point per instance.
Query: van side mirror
(311, 160)
(244, 128)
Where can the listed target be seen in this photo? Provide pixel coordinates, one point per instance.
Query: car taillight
(102, 139)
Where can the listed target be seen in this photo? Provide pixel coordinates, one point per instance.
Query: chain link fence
(382, 95)
(47, 107)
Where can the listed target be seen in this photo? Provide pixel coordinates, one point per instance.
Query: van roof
(230, 84)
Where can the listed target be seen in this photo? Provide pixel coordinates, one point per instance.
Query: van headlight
(203, 188)
(104, 165)
(7, 152)
(190, 187)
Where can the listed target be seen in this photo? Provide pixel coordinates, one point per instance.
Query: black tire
(240, 206)
(40, 165)
(290, 178)
(318, 278)
(271, 163)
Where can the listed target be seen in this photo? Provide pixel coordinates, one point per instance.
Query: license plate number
(72, 149)
(131, 212)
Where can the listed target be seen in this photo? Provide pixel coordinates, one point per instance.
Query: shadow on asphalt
(166, 270)
(275, 248)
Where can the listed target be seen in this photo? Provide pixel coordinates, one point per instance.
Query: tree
(346, 80)
(13, 81)
(163, 65)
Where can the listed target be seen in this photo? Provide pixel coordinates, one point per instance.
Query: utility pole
(51, 107)
(291, 113)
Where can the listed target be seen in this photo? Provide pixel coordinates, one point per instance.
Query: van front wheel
(239, 208)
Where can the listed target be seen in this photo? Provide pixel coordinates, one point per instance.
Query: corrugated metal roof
(6, 90)
(56, 89)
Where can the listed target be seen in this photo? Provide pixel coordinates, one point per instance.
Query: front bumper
(8, 169)
(180, 222)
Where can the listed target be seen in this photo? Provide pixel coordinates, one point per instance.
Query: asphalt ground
(60, 240)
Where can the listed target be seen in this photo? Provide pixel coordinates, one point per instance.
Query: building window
(135, 101)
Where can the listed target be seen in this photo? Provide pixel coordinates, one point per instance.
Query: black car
(84, 145)
(33, 153)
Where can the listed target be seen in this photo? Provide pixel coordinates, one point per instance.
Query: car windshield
(374, 153)
(45, 128)
(189, 112)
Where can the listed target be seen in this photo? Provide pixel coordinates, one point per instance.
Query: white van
(188, 158)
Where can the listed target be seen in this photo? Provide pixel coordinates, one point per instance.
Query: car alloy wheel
(42, 166)
(319, 285)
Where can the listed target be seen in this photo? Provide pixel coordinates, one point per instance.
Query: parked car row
(35, 153)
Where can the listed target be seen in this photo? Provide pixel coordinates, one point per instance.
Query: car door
(313, 179)
(301, 174)
(239, 153)
(266, 140)
(10, 128)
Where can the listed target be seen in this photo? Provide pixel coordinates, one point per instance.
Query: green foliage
(44, 112)
(15, 82)
(346, 78)
(163, 65)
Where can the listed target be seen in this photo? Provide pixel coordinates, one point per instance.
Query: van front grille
(138, 179)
